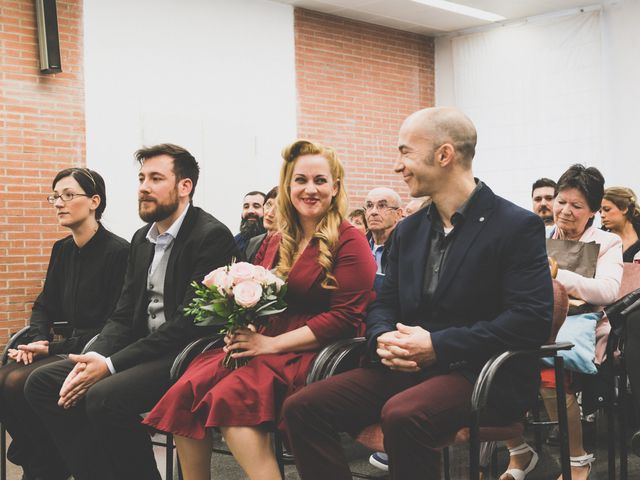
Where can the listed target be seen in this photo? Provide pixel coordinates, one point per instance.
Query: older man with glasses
(382, 211)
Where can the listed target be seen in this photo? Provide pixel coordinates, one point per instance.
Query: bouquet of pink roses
(236, 296)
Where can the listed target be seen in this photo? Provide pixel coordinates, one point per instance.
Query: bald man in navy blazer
(467, 278)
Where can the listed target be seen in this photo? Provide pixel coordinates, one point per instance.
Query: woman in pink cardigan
(580, 192)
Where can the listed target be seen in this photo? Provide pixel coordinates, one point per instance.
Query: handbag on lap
(579, 327)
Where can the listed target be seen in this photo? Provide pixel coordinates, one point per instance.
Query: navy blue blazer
(495, 294)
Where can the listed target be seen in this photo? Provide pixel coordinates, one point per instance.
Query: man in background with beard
(251, 219)
(543, 193)
(90, 404)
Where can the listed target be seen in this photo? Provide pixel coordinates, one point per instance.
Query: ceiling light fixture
(462, 10)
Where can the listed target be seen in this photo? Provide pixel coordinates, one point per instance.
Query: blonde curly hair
(327, 230)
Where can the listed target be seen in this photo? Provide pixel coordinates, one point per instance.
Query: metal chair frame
(341, 356)
(60, 328)
(618, 397)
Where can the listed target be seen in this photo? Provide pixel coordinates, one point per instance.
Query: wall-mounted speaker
(48, 41)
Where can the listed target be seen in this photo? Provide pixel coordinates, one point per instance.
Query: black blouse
(629, 253)
(82, 287)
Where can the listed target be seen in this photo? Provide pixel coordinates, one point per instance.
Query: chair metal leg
(622, 410)
(169, 457)
(3, 453)
(563, 421)
(446, 465)
(474, 447)
(611, 426)
(536, 429)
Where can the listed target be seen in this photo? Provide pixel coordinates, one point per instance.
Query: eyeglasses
(65, 197)
(382, 206)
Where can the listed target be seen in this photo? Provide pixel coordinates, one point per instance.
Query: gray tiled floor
(224, 467)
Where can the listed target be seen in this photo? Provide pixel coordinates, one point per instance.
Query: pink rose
(260, 274)
(248, 293)
(216, 277)
(241, 271)
(275, 280)
(225, 287)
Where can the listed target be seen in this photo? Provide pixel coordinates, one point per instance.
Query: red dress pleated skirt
(210, 395)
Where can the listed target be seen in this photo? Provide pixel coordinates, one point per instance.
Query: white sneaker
(380, 460)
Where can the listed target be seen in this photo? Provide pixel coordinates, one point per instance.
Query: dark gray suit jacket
(203, 244)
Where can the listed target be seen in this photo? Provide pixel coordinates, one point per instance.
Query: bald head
(445, 125)
(415, 204)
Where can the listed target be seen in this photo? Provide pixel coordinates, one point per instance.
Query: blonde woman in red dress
(330, 271)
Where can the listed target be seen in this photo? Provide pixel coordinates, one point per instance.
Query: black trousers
(632, 352)
(32, 448)
(101, 438)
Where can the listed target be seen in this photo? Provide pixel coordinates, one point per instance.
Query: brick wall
(356, 83)
(41, 132)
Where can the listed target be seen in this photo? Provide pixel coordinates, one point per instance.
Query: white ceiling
(418, 18)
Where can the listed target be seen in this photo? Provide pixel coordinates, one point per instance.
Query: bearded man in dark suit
(90, 404)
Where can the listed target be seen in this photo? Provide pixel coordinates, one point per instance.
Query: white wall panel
(215, 76)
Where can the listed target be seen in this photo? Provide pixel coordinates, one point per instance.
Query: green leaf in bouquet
(221, 309)
(268, 304)
(213, 320)
(271, 311)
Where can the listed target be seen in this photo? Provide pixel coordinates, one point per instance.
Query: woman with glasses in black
(82, 286)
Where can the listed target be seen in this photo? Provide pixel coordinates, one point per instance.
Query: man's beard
(251, 227)
(547, 219)
(546, 215)
(161, 210)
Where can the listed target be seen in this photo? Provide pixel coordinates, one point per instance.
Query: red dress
(210, 395)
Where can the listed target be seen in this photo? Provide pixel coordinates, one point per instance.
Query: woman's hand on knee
(28, 353)
(34, 350)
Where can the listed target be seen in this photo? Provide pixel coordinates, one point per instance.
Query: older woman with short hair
(580, 192)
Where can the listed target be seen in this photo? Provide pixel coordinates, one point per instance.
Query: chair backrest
(89, 344)
(560, 309)
(630, 279)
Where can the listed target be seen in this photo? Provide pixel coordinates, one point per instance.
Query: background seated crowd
(438, 287)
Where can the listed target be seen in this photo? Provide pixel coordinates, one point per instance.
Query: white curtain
(534, 91)
(621, 101)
